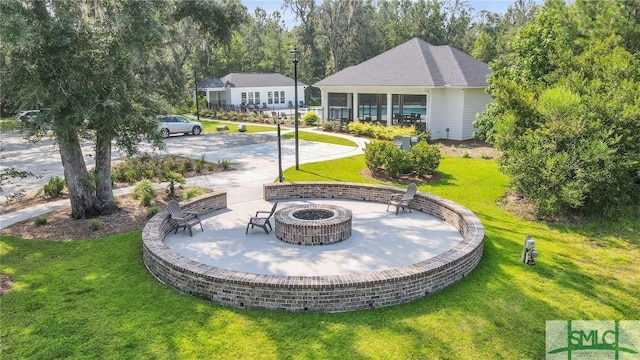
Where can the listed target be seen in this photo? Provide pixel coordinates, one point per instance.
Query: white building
(253, 90)
(438, 87)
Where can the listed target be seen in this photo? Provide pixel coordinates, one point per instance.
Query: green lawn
(210, 126)
(95, 299)
(323, 138)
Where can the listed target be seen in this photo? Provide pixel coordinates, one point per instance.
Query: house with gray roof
(437, 87)
(237, 90)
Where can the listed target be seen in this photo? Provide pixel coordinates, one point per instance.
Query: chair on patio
(183, 219)
(262, 221)
(402, 200)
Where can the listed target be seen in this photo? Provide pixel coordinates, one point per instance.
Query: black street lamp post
(280, 177)
(195, 79)
(295, 53)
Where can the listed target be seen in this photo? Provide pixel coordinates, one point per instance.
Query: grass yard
(323, 138)
(210, 126)
(95, 299)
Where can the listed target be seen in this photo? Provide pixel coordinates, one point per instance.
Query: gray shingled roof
(414, 63)
(258, 80)
(211, 83)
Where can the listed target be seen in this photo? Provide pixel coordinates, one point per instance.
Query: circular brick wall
(293, 229)
(318, 293)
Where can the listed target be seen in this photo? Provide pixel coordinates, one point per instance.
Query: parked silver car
(175, 124)
(27, 116)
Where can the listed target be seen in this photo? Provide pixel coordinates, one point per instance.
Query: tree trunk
(104, 187)
(84, 203)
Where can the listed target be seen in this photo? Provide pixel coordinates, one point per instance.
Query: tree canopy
(567, 109)
(92, 65)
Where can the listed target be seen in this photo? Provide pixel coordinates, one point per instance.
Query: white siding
(475, 101)
(235, 95)
(446, 110)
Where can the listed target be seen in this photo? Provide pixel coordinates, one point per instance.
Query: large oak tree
(90, 63)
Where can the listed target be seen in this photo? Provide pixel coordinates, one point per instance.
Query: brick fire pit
(313, 224)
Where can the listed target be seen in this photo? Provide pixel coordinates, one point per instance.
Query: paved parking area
(254, 158)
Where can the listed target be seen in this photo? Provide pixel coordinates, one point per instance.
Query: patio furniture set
(185, 220)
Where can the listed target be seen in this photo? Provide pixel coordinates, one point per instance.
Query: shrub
(152, 211)
(54, 187)
(425, 158)
(328, 126)
(130, 175)
(191, 193)
(145, 166)
(376, 154)
(381, 132)
(224, 164)
(144, 191)
(485, 155)
(40, 220)
(422, 158)
(310, 118)
(173, 177)
(199, 164)
(362, 129)
(398, 162)
(465, 154)
(146, 199)
(94, 224)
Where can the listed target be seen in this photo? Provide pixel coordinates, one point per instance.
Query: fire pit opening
(312, 214)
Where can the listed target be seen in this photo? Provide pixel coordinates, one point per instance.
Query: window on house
(250, 98)
(243, 97)
(277, 98)
(257, 97)
(281, 97)
(270, 97)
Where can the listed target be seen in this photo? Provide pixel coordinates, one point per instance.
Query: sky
(499, 6)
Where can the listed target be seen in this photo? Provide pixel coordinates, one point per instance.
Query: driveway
(253, 156)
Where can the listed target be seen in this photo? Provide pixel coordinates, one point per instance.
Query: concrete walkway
(252, 156)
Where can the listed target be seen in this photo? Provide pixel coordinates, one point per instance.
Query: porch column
(355, 107)
(389, 109)
(324, 102)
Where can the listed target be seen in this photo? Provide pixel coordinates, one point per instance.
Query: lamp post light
(295, 54)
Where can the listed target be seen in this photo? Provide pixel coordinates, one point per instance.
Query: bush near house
(422, 159)
(310, 118)
(382, 132)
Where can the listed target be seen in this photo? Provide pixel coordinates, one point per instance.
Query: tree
(567, 117)
(341, 22)
(90, 64)
(457, 25)
(306, 37)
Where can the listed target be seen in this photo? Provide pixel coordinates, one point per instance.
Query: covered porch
(386, 106)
